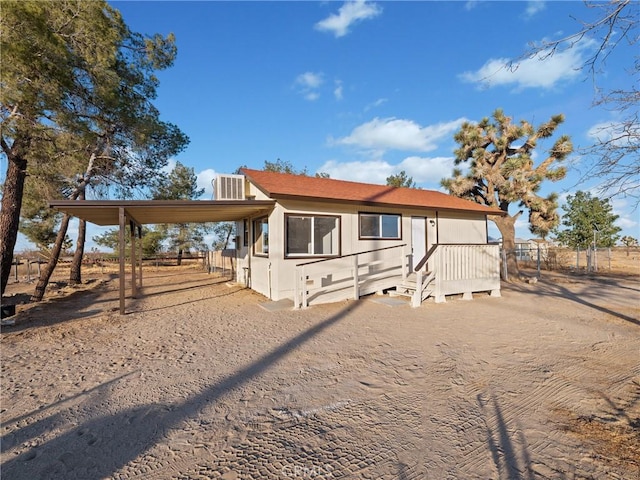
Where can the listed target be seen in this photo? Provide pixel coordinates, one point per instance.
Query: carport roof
(106, 212)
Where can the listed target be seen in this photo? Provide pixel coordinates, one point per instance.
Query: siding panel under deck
(466, 269)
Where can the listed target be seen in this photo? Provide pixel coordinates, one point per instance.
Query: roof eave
(371, 203)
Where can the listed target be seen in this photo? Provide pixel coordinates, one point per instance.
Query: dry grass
(614, 261)
(614, 443)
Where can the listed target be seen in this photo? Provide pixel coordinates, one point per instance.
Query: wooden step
(402, 291)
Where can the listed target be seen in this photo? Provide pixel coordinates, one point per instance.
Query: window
(312, 235)
(381, 226)
(245, 236)
(261, 236)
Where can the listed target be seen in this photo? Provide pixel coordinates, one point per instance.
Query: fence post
(538, 261)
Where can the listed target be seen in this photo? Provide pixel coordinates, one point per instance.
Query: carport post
(121, 247)
(134, 285)
(140, 243)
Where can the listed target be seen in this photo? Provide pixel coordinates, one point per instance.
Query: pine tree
(401, 180)
(588, 221)
(76, 103)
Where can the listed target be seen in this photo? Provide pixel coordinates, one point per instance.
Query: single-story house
(326, 239)
(529, 249)
(317, 240)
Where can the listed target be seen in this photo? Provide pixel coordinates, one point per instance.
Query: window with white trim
(312, 235)
(380, 226)
(261, 236)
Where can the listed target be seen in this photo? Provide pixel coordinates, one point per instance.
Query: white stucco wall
(274, 276)
(461, 228)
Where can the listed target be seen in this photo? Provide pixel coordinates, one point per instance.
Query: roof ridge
(339, 180)
(290, 185)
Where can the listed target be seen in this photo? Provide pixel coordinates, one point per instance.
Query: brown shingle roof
(284, 185)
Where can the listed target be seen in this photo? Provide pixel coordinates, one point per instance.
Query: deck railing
(454, 269)
(465, 269)
(350, 276)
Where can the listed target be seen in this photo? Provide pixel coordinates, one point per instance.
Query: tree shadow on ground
(145, 291)
(37, 428)
(133, 305)
(508, 447)
(101, 446)
(54, 311)
(588, 296)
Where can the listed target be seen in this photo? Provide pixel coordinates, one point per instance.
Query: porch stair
(407, 288)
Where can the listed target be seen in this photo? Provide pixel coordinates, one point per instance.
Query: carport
(136, 213)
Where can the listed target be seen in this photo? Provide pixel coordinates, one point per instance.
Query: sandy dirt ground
(199, 380)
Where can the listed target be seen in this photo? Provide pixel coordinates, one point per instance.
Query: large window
(261, 236)
(312, 236)
(380, 226)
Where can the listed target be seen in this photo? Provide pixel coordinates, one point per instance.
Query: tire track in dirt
(497, 444)
(329, 433)
(323, 443)
(518, 453)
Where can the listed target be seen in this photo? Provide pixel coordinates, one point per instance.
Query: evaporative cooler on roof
(229, 187)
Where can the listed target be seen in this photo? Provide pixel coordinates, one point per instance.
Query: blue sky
(362, 90)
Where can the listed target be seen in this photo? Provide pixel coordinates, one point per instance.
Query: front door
(418, 239)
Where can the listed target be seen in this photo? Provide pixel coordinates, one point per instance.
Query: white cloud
(542, 71)
(421, 169)
(311, 96)
(533, 8)
(629, 218)
(204, 179)
(427, 169)
(309, 80)
(471, 4)
(171, 164)
(375, 104)
(617, 133)
(308, 84)
(399, 134)
(368, 171)
(348, 14)
(337, 92)
(522, 223)
(626, 223)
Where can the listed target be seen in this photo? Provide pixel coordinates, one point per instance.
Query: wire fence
(28, 266)
(626, 260)
(590, 260)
